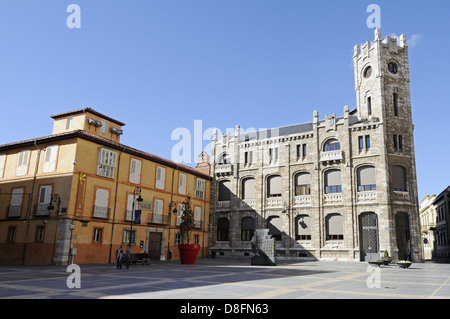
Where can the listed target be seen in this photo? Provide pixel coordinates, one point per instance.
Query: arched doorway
(368, 232)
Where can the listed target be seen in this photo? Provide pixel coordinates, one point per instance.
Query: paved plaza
(222, 278)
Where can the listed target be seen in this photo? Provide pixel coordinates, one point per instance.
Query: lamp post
(137, 191)
(174, 211)
(55, 198)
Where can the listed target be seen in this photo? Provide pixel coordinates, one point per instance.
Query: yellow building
(75, 192)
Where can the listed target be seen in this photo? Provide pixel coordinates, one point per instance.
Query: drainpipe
(30, 199)
(115, 204)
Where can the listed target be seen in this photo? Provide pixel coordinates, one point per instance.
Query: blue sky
(161, 64)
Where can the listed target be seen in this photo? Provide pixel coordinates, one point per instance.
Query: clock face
(368, 72)
(393, 68)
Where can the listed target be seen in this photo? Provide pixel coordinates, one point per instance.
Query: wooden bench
(139, 258)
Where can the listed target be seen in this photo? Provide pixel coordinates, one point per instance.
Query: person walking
(127, 257)
(119, 255)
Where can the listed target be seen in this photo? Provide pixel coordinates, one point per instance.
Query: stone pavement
(225, 278)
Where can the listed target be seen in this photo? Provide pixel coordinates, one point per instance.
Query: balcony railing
(302, 200)
(224, 204)
(331, 156)
(274, 202)
(224, 169)
(367, 196)
(248, 203)
(333, 198)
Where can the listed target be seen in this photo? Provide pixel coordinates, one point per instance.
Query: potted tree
(386, 259)
(188, 251)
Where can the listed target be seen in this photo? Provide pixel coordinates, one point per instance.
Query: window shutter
(304, 225)
(50, 158)
(367, 176)
(129, 214)
(275, 185)
(22, 163)
(135, 171)
(399, 178)
(179, 214)
(16, 202)
(158, 211)
(160, 177)
(2, 164)
(197, 216)
(335, 224)
(182, 183)
(333, 178)
(45, 194)
(101, 203)
(303, 179)
(224, 190)
(248, 188)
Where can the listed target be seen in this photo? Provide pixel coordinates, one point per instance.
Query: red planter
(188, 253)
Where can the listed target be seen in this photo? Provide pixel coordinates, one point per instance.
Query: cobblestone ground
(229, 279)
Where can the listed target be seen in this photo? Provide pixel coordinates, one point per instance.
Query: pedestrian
(119, 255)
(127, 257)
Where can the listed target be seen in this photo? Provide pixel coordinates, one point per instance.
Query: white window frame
(180, 211)
(50, 157)
(69, 123)
(22, 163)
(129, 215)
(106, 162)
(104, 127)
(200, 187)
(135, 171)
(160, 178)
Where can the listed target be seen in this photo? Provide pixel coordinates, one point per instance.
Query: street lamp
(174, 211)
(56, 199)
(137, 191)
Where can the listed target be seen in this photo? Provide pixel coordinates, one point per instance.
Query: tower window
(393, 68)
(395, 99)
(368, 72)
(369, 106)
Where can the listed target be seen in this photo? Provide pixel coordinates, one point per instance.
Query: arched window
(223, 229)
(333, 181)
(302, 184)
(332, 145)
(366, 178)
(303, 227)
(334, 226)
(248, 188)
(224, 191)
(399, 178)
(275, 226)
(224, 159)
(247, 228)
(274, 186)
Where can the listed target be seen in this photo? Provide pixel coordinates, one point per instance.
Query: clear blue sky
(161, 64)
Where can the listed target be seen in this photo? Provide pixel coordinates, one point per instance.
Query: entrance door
(403, 235)
(154, 246)
(368, 229)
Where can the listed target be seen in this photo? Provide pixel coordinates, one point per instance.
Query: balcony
(333, 198)
(367, 196)
(331, 156)
(224, 169)
(224, 204)
(248, 203)
(274, 202)
(302, 200)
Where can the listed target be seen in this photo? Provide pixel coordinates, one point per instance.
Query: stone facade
(338, 188)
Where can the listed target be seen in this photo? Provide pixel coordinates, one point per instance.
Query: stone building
(336, 188)
(427, 213)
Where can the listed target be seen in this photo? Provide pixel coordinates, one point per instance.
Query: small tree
(187, 221)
